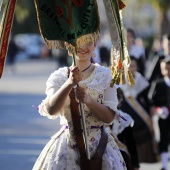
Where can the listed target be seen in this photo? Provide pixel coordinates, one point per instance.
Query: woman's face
(85, 51)
(130, 38)
(165, 69)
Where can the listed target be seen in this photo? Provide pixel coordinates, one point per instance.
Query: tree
(25, 19)
(162, 6)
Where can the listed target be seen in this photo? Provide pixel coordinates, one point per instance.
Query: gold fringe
(60, 44)
(130, 78)
(112, 82)
(122, 77)
(114, 75)
(87, 39)
(118, 78)
(113, 71)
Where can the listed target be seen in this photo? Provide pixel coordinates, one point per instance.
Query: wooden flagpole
(83, 122)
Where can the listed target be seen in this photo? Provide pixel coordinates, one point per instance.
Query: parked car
(30, 45)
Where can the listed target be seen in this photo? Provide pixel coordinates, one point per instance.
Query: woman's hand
(81, 94)
(75, 76)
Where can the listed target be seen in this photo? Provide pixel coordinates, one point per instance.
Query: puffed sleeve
(53, 84)
(111, 100)
(42, 108)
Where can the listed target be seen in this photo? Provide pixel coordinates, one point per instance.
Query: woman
(94, 92)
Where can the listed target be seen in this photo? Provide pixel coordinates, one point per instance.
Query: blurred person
(156, 46)
(169, 44)
(61, 57)
(166, 44)
(105, 45)
(122, 132)
(158, 53)
(136, 50)
(13, 49)
(136, 104)
(94, 91)
(160, 97)
(139, 42)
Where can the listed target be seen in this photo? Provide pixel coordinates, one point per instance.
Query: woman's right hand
(75, 76)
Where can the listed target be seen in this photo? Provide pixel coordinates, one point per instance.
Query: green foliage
(162, 5)
(25, 20)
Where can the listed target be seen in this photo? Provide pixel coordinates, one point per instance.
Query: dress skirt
(58, 154)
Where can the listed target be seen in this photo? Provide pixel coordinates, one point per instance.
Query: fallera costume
(61, 152)
(67, 24)
(135, 104)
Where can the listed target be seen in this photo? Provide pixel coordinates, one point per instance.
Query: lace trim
(118, 127)
(99, 79)
(119, 117)
(42, 109)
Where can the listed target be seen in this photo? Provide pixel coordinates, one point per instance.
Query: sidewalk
(28, 76)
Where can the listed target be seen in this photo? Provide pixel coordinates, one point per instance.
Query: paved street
(23, 132)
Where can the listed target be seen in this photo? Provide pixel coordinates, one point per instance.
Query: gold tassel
(113, 71)
(122, 77)
(112, 82)
(118, 78)
(130, 78)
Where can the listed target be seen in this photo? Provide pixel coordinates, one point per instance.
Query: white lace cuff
(120, 125)
(119, 117)
(42, 108)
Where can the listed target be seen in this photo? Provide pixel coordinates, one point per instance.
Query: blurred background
(23, 132)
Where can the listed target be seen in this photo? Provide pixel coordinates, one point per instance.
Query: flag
(63, 21)
(5, 29)
(119, 54)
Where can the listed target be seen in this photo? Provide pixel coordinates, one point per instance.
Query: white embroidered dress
(61, 152)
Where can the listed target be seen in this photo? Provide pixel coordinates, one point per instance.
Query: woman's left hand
(81, 94)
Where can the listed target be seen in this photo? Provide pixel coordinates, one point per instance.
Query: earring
(93, 54)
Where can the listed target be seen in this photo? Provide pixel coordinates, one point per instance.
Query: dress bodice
(97, 86)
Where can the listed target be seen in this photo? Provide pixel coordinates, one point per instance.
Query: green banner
(67, 20)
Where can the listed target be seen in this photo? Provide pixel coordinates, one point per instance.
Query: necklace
(87, 68)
